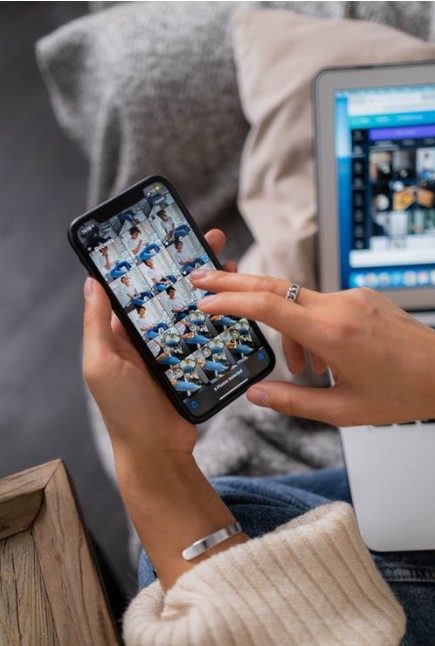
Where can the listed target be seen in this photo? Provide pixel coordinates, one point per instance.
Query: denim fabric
(262, 504)
(196, 262)
(181, 231)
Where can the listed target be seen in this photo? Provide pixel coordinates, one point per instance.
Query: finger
(321, 404)
(292, 320)
(230, 266)
(294, 354)
(97, 331)
(118, 329)
(216, 240)
(218, 281)
(317, 364)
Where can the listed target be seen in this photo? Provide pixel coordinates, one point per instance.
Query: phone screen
(145, 254)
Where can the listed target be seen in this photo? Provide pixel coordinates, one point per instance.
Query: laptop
(375, 151)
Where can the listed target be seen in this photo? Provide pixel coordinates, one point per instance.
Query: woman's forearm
(172, 505)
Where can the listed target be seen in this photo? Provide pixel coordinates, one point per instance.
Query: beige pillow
(278, 54)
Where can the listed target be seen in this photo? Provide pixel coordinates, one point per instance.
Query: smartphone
(141, 246)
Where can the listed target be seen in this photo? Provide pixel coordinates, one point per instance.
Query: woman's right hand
(382, 359)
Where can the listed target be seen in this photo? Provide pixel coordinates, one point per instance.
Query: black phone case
(112, 207)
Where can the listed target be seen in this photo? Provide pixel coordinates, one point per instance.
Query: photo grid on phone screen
(146, 254)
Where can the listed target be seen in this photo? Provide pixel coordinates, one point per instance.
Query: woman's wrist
(172, 505)
(156, 472)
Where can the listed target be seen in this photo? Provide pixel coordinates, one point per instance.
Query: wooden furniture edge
(70, 573)
(21, 497)
(42, 500)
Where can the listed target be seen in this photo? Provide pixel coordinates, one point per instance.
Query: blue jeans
(169, 361)
(197, 339)
(186, 387)
(180, 232)
(149, 251)
(156, 330)
(262, 504)
(139, 299)
(120, 268)
(196, 262)
(224, 321)
(242, 348)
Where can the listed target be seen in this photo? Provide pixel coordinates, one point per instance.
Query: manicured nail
(199, 274)
(88, 288)
(258, 396)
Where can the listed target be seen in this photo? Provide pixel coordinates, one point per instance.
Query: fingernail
(258, 396)
(207, 300)
(199, 274)
(88, 287)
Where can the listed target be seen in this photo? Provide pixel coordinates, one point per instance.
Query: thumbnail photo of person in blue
(221, 321)
(176, 377)
(177, 304)
(188, 254)
(214, 361)
(238, 342)
(187, 377)
(197, 329)
(112, 259)
(161, 354)
(156, 274)
(426, 164)
(132, 290)
(122, 222)
(171, 230)
(173, 343)
(142, 242)
(193, 336)
(150, 319)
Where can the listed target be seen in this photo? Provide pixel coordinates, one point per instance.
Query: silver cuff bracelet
(199, 547)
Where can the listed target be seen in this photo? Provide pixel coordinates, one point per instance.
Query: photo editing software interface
(145, 254)
(385, 151)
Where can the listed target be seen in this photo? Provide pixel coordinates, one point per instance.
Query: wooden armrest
(50, 590)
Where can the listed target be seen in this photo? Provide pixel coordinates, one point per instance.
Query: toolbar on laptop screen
(385, 153)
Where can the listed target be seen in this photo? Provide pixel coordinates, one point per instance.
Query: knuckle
(343, 329)
(268, 284)
(362, 295)
(367, 302)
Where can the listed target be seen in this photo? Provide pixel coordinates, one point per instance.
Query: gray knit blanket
(146, 88)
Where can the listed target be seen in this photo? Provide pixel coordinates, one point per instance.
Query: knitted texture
(312, 581)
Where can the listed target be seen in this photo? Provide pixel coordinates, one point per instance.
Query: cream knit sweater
(311, 581)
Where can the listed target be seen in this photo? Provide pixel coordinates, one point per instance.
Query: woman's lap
(262, 504)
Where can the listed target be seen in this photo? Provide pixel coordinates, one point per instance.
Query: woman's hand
(166, 495)
(380, 357)
(138, 414)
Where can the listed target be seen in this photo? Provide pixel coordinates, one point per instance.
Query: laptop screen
(385, 152)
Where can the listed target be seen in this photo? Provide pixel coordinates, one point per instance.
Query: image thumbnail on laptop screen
(385, 151)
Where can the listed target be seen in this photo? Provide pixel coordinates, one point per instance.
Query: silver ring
(293, 292)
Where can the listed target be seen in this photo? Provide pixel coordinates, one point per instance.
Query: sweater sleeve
(311, 581)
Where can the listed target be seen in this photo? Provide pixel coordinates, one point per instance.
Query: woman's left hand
(166, 495)
(139, 416)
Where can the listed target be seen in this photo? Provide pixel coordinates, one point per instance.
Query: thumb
(97, 331)
(321, 404)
